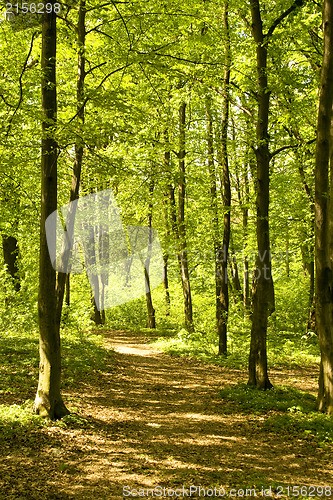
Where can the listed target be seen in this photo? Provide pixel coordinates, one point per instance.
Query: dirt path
(154, 420)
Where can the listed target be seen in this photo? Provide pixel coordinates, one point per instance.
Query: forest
(166, 304)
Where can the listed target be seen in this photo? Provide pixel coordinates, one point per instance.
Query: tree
(263, 296)
(183, 255)
(48, 401)
(63, 278)
(324, 217)
(223, 257)
(10, 255)
(151, 323)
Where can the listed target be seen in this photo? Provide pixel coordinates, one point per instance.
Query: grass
(287, 410)
(16, 421)
(284, 348)
(82, 353)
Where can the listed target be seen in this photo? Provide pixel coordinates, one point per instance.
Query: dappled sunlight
(150, 419)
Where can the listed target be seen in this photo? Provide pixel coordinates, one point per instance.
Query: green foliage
(17, 420)
(129, 315)
(132, 101)
(288, 344)
(279, 398)
(287, 410)
(82, 352)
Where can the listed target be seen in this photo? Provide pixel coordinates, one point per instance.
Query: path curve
(156, 420)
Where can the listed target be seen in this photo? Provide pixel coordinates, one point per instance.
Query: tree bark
(236, 284)
(182, 256)
(151, 323)
(244, 201)
(166, 260)
(48, 401)
(77, 167)
(216, 229)
(245, 210)
(263, 290)
(324, 218)
(10, 255)
(263, 298)
(308, 248)
(224, 292)
(68, 291)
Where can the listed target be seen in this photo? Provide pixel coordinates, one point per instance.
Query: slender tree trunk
(10, 255)
(150, 308)
(216, 229)
(167, 230)
(324, 218)
(237, 287)
(287, 250)
(263, 298)
(91, 259)
(68, 291)
(166, 260)
(245, 210)
(77, 167)
(96, 315)
(307, 249)
(244, 200)
(166, 283)
(48, 400)
(182, 257)
(224, 293)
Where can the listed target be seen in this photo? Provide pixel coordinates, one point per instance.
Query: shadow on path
(155, 420)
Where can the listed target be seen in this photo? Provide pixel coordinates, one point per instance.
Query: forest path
(155, 420)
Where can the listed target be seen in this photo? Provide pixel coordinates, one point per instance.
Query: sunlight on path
(152, 420)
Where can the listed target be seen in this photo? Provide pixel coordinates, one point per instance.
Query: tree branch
(278, 20)
(25, 65)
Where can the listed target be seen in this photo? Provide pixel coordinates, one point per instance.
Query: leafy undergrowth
(284, 348)
(82, 354)
(143, 418)
(289, 411)
(17, 420)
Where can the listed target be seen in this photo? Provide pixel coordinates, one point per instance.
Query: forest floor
(151, 420)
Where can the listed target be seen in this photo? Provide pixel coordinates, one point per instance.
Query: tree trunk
(308, 248)
(68, 291)
(10, 255)
(244, 200)
(48, 400)
(263, 298)
(150, 308)
(324, 218)
(224, 292)
(166, 260)
(167, 231)
(182, 256)
(166, 283)
(263, 290)
(96, 314)
(245, 210)
(77, 167)
(236, 284)
(216, 229)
